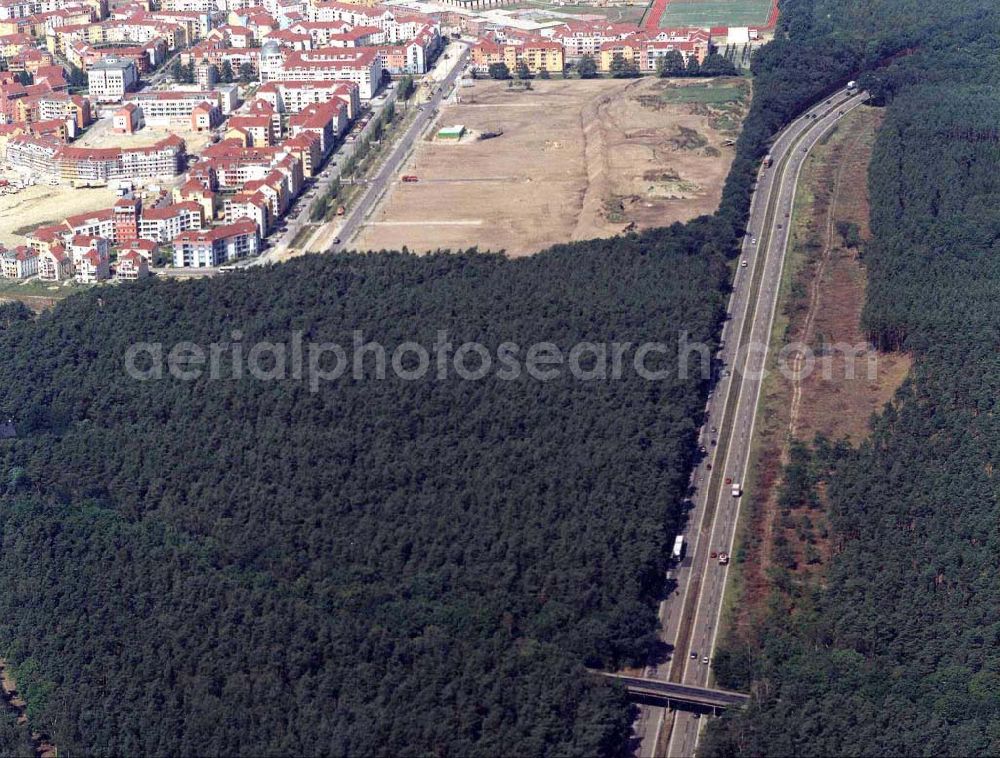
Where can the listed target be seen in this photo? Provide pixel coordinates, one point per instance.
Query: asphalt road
(394, 162)
(298, 214)
(690, 615)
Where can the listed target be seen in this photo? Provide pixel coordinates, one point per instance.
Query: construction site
(563, 160)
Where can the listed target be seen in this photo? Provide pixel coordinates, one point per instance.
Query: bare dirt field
(100, 134)
(24, 211)
(575, 160)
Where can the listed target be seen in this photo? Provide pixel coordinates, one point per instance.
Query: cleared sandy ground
(101, 134)
(576, 160)
(44, 204)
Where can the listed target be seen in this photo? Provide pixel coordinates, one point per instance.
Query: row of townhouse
(290, 97)
(534, 52)
(195, 25)
(602, 41)
(580, 38)
(46, 100)
(14, 44)
(214, 52)
(176, 107)
(645, 52)
(73, 165)
(327, 121)
(127, 224)
(137, 29)
(30, 60)
(398, 25)
(87, 261)
(412, 56)
(255, 18)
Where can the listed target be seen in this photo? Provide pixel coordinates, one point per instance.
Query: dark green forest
(379, 567)
(897, 652)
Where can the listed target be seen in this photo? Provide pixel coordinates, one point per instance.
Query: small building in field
(128, 119)
(451, 133)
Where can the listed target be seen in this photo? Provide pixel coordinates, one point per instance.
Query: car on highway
(336, 240)
(704, 659)
(714, 430)
(753, 240)
(694, 655)
(743, 263)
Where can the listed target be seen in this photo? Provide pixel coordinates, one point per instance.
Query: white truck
(678, 552)
(737, 490)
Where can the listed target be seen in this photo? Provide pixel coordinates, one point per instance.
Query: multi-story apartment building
(580, 38)
(290, 97)
(161, 225)
(54, 264)
(92, 267)
(176, 108)
(97, 224)
(126, 213)
(47, 157)
(213, 247)
(358, 65)
(251, 204)
(326, 120)
(110, 78)
(19, 263)
(534, 52)
(131, 267)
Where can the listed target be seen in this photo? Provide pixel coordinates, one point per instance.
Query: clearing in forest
(573, 160)
(820, 306)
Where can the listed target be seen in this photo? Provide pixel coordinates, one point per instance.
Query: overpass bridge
(672, 694)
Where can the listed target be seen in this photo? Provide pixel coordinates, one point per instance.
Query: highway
(690, 616)
(707, 697)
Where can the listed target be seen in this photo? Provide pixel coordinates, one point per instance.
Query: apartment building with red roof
(210, 248)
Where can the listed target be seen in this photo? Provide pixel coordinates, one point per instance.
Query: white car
(704, 659)
(743, 263)
(753, 240)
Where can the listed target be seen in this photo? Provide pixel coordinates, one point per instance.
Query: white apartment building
(19, 263)
(213, 247)
(164, 224)
(110, 78)
(358, 65)
(131, 267)
(290, 97)
(92, 267)
(172, 108)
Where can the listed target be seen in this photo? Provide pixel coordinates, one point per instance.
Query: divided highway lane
(678, 611)
(746, 354)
